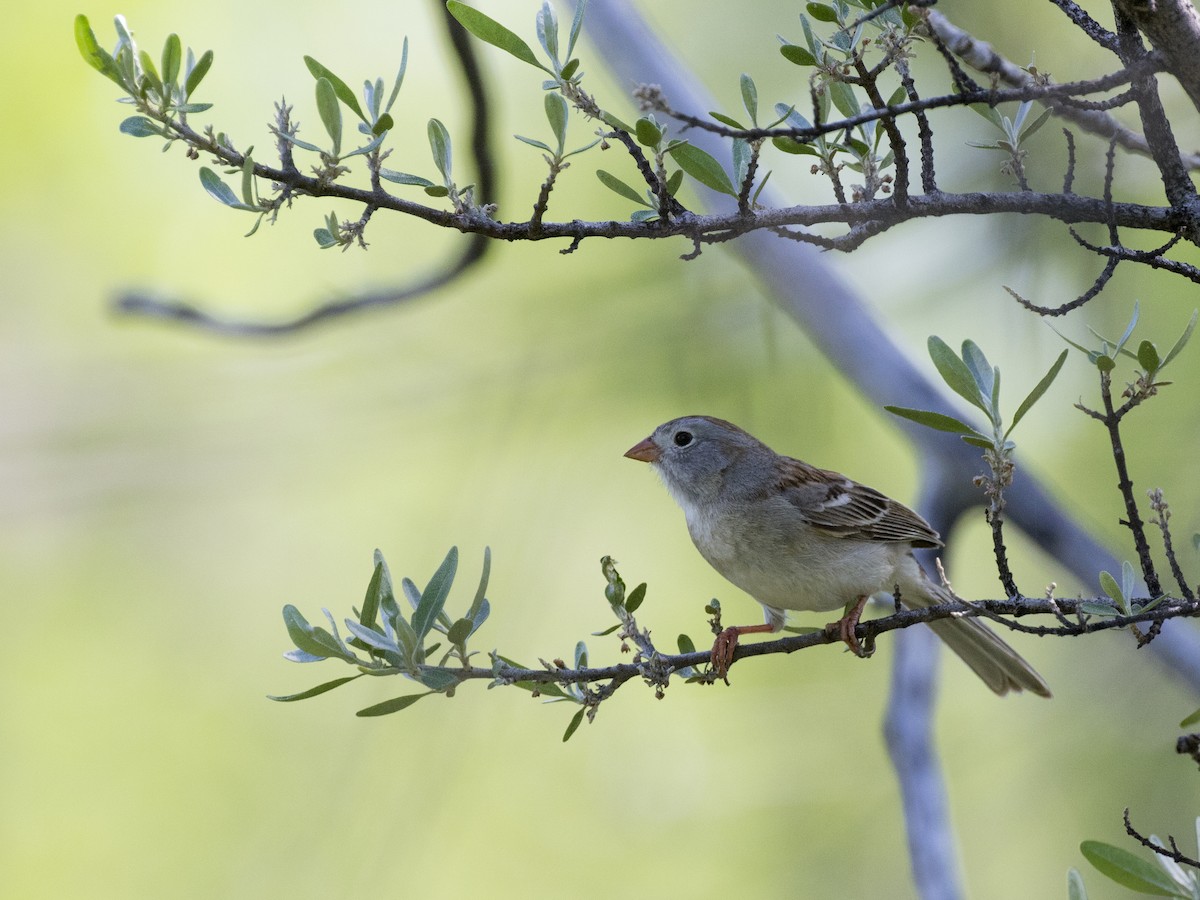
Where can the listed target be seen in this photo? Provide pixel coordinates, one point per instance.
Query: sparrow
(796, 537)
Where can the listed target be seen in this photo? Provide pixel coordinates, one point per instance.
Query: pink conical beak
(646, 451)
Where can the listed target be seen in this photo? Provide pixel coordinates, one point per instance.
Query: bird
(797, 537)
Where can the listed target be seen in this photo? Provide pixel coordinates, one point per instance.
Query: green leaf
(568, 70)
(488, 29)
(172, 57)
(433, 598)
(955, 373)
(1040, 388)
(613, 122)
(1129, 870)
(685, 645)
(197, 72)
(1183, 339)
(575, 720)
(703, 168)
(437, 679)
(390, 706)
(1147, 355)
(140, 126)
(750, 97)
(727, 120)
(91, 51)
(340, 88)
(935, 420)
(581, 655)
(647, 131)
(330, 112)
(383, 124)
(248, 180)
(613, 183)
(794, 53)
(220, 191)
(1190, 720)
(459, 631)
(404, 178)
(793, 146)
(439, 143)
(556, 115)
(1075, 888)
(313, 692)
(821, 12)
(324, 237)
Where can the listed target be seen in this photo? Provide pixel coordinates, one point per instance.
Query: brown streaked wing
(831, 501)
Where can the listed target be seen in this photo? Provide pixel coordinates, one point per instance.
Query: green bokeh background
(163, 493)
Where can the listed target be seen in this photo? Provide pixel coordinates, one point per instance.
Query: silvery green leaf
(437, 679)
(439, 143)
(479, 604)
(556, 115)
(576, 25)
(750, 97)
(330, 112)
(547, 30)
(324, 237)
(955, 373)
(534, 143)
(399, 76)
(1075, 888)
(303, 145)
(220, 191)
(1128, 583)
(794, 119)
(982, 372)
(140, 126)
(1183, 339)
(741, 160)
(366, 148)
(581, 655)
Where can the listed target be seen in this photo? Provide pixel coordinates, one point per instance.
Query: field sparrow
(793, 536)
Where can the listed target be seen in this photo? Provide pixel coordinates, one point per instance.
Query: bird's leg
(844, 627)
(726, 643)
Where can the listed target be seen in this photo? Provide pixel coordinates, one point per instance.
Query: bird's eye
(683, 438)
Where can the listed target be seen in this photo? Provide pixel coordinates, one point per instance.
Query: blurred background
(164, 492)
